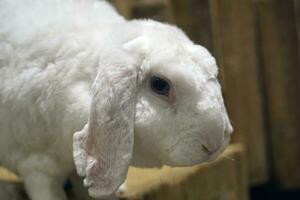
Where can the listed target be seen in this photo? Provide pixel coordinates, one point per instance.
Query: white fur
(61, 58)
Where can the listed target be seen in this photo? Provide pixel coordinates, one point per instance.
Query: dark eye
(160, 86)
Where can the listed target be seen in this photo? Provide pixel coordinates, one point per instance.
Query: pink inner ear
(98, 166)
(91, 137)
(79, 153)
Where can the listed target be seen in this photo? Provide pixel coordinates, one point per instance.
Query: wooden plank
(279, 52)
(124, 7)
(153, 9)
(193, 16)
(149, 2)
(297, 11)
(234, 42)
(7, 176)
(225, 178)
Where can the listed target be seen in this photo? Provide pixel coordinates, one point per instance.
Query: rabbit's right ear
(103, 149)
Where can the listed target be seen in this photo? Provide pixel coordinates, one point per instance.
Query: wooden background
(256, 43)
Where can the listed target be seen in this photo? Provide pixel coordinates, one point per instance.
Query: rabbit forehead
(165, 42)
(182, 69)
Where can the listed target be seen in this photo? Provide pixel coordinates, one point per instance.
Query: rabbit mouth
(190, 151)
(208, 151)
(213, 155)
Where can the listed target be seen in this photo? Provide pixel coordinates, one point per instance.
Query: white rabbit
(135, 92)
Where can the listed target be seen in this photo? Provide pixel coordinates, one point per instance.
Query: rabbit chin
(191, 156)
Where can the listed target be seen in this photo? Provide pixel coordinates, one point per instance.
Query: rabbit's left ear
(103, 149)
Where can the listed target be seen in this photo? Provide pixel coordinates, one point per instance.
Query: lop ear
(103, 148)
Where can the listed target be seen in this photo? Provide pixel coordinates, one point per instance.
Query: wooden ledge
(8, 176)
(225, 178)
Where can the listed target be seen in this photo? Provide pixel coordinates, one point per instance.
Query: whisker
(230, 158)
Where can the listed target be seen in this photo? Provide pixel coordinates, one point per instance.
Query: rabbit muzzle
(202, 143)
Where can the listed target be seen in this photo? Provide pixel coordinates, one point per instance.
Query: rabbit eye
(160, 86)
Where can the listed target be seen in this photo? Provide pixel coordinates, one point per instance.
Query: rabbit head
(156, 100)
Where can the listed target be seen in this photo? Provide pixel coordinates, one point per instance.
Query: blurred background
(256, 44)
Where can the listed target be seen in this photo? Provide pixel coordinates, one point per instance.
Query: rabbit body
(77, 66)
(47, 66)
